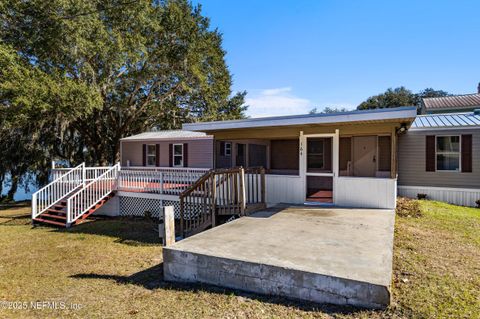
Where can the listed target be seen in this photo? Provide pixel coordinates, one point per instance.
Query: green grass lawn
(112, 268)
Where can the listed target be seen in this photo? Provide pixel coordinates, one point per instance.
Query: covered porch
(344, 159)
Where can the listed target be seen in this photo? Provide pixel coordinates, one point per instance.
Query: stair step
(52, 210)
(63, 217)
(47, 221)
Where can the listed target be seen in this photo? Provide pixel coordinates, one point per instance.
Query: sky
(293, 56)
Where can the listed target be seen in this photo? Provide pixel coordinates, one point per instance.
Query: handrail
(91, 194)
(58, 189)
(222, 192)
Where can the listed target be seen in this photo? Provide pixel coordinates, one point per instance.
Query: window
(228, 149)
(177, 155)
(151, 155)
(448, 153)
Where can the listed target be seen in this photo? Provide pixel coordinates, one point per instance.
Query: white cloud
(276, 102)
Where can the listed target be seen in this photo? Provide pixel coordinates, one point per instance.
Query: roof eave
(407, 114)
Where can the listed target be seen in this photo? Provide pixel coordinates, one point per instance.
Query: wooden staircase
(220, 195)
(57, 214)
(71, 198)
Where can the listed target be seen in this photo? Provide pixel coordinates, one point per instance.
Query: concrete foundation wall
(111, 208)
(182, 266)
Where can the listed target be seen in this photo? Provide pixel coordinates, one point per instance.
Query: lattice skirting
(136, 206)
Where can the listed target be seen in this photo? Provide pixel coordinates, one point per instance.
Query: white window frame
(173, 155)
(459, 153)
(229, 153)
(154, 155)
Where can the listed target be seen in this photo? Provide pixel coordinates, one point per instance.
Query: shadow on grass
(128, 231)
(152, 278)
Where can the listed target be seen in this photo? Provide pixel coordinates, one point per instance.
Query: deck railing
(255, 188)
(226, 192)
(158, 180)
(91, 173)
(58, 189)
(92, 193)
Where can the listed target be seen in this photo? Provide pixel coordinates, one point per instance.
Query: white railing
(58, 189)
(158, 180)
(92, 193)
(91, 173)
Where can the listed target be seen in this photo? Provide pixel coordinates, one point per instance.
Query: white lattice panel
(176, 206)
(137, 206)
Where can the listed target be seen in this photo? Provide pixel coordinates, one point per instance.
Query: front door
(319, 170)
(364, 156)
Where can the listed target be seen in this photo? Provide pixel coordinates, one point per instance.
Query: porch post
(302, 149)
(393, 160)
(335, 166)
(336, 150)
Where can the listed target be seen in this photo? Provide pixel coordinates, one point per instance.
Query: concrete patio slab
(325, 255)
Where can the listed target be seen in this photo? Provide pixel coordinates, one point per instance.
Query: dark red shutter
(157, 155)
(170, 155)
(185, 154)
(430, 153)
(144, 155)
(467, 153)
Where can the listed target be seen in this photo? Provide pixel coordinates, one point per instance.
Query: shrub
(421, 196)
(407, 207)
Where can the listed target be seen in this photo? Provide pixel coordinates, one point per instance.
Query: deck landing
(325, 255)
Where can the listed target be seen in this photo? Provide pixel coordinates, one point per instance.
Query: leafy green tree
(329, 110)
(399, 97)
(391, 98)
(97, 71)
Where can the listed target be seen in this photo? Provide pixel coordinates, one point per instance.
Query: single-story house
(356, 159)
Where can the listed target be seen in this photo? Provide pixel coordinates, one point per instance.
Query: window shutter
(144, 156)
(157, 155)
(185, 154)
(467, 153)
(170, 155)
(430, 153)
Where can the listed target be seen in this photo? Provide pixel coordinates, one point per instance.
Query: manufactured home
(215, 172)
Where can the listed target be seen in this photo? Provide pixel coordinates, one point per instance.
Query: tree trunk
(2, 179)
(13, 187)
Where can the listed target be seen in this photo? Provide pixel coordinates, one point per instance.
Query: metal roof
(447, 120)
(452, 102)
(167, 135)
(406, 113)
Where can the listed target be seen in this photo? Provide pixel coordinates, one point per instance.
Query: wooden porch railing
(227, 192)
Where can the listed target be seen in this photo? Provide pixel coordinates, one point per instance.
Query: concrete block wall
(182, 266)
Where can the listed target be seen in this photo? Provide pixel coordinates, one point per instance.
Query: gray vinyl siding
(411, 161)
(200, 152)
